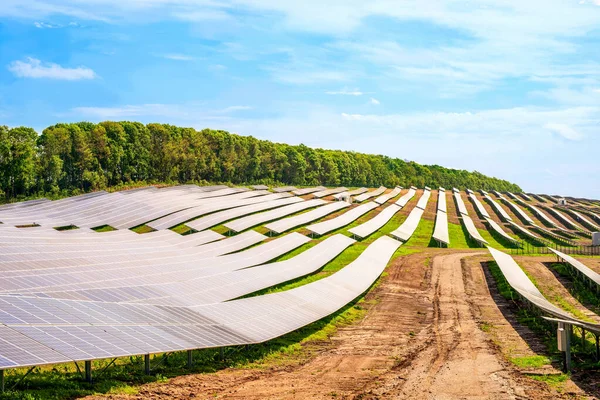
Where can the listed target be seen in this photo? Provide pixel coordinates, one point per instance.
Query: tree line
(84, 156)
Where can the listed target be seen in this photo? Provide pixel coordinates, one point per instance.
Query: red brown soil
(420, 339)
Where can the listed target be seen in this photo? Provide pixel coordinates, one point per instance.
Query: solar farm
(442, 292)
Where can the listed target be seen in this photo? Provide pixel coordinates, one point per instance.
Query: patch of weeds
(536, 361)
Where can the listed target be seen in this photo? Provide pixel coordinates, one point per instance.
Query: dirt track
(421, 340)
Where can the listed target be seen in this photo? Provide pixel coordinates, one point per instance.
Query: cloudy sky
(509, 88)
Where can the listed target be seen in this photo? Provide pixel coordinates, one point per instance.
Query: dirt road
(421, 340)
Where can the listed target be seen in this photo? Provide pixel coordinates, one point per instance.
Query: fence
(528, 248)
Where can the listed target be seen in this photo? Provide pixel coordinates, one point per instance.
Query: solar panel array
(460, 204)
(498, 208)
(478, 206)
(346, 218)
(409, 226)
(406, 197)
(286, 224)
(305, 191)
(500, 231)
(241, 224)
(328, 192)
(521, 283)
(82, 295)
(519, 211)
(374, 224)
(473, 232)
(384, 198)
(371, 194)
(440, 232)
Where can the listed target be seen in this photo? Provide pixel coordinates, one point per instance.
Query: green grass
(458, 239)
(104, 228)
(182, 229)
(66, 228)
(554, 380)
(142, 229)
(536, 361)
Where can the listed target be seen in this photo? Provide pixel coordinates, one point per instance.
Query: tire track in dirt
(421, 340)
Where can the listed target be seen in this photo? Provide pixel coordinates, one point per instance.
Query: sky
(508, 88)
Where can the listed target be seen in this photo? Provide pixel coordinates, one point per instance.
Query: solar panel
(460, 204)
(440, 232)
(406, 197)
(371, 226)
(301, 219)
(241, 224)
(346, 218)
(473, 232)
(384, 198)
(409, 226)
(368, 195)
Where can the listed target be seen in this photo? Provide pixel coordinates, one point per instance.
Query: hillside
(85, 156)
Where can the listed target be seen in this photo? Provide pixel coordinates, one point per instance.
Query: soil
(423, 337)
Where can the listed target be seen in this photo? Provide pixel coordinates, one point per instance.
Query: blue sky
(510, 88)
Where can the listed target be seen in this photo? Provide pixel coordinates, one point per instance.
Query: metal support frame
(147, 364)
(2, 382)
(88, 371)
(105, 368)
(30, 370)
(222, 353)
(190, 359)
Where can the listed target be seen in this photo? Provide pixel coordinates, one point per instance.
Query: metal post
(190, 361)
(147, 364)
(583, 340)
(568, 349)
(597, 348)
(88, 371)
(222, 354)
(2, 380)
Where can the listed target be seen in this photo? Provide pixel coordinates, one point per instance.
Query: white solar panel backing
(304, 191)
(370, 194)
(578, 265)
(496, 227)
(519, 211)
(498, 208)
(519, 281)
(292, 222)
(473, 232)
(440, 232)
(441, 205)
(422, 203)
(586, 221)
(460, 204)
(480, 208)
(241, 224)
(284, 189)
(525, 196)
(406, 197)
(358, 191)
(375, 223)
(217, 218)
(328, 192)
(409, 226)
(527, 232)
(342, 220)
(385, 197)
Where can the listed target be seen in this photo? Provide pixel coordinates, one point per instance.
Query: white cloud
(178, 57)
(34, 68)
(374, 101)
(305, 76)
(565, 131)
(346, 92)
(172, 112)
(43, 25)
(202, 16)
